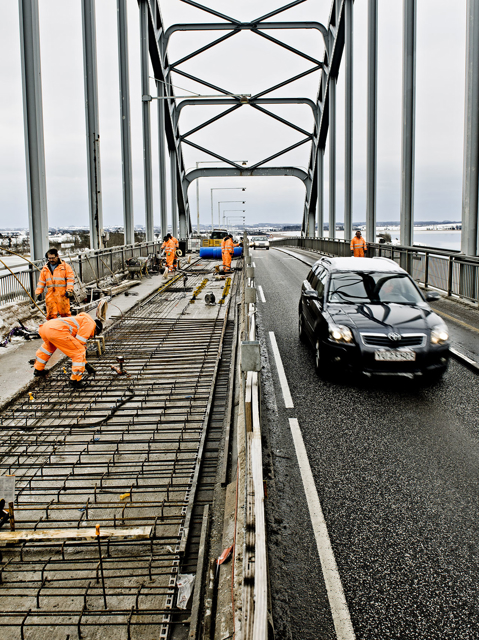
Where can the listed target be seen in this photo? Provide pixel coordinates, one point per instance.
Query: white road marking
(261, 293)
(288, 400)
(253, 264)
(337, 601)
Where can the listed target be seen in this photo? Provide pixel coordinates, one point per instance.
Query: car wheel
(302, 334)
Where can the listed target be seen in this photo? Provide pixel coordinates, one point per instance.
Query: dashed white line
(261, 293)
(288, 400)
(253, 264)
(337, 601)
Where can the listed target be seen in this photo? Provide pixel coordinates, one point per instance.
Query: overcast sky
(244, 64)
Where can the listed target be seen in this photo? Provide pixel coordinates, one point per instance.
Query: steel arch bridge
(337, 38)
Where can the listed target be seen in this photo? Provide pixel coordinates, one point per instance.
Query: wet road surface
(396, 470)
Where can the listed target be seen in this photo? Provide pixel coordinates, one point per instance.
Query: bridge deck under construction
(125, 453)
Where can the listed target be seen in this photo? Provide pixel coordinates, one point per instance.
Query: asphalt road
(396, 469)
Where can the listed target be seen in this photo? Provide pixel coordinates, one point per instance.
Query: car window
(320, 280)
(310, 276)
(355, 287)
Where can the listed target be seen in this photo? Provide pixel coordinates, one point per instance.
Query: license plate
(395, 356)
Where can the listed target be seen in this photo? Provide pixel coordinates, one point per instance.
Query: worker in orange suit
(177, 246)
(70, 335)
(228, 252)
(358, 245)
(170, 251)
(58, 278)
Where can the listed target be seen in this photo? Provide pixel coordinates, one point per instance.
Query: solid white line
(337, 601)
(288, 400)
(261, 293)
(253, 264)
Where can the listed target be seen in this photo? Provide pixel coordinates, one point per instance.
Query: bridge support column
(470, 196)
(320, 199)
(408, 120)
(162, 157)
(33, 123)
(348, 112)
(128, 221)
(174, 192)
(146, 98)
(372, 121)
(332, 157)
(92, 123)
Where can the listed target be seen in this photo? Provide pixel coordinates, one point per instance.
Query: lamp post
(228, 210)
(221, 189)
(224, 202)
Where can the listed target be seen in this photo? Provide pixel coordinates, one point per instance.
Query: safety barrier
(89, 267)
(448, 271)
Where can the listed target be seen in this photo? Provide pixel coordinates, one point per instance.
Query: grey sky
(245, 63)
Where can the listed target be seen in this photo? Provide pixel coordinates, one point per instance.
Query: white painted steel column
(174, 193)
(372, 121)
(33, 124)
(408, 123)
(320, 198)
(470, 196)
(332, 157)
(146, 100)
(92, 123)
(128, 219)
(162, 157)
(348, 127)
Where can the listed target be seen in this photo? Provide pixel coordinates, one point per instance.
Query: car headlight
(340, 333)
(439, 335)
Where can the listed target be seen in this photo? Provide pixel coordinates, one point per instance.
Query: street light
(228, 210)
(243, 162)
(223, 202)
(243, 218)
(221, 189)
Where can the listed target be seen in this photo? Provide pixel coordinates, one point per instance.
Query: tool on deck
(120, 369)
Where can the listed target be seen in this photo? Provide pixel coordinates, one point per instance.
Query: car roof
(360, 264)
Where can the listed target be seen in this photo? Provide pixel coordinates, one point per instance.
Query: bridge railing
(448, 271)
(89, 267)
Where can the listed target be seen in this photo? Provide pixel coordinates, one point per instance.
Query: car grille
(382, 340)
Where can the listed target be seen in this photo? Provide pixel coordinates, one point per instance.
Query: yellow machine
(215, 238)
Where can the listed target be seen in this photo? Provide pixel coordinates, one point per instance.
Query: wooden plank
(87, 533)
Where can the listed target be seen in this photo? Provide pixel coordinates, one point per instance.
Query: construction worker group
(170, 246)
(61, 330)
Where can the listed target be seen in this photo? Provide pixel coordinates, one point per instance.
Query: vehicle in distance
(259, 242)
(368, 315)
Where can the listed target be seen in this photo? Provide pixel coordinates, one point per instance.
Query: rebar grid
(123, 452)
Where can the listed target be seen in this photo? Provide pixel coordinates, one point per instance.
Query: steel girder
(232, 27)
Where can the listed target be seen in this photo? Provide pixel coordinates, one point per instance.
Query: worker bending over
(358, 245)
(70, 335)
(227, 252)
(170, 251)
(58, 278)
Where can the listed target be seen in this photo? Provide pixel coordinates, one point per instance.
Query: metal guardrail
(89, 267)
(448, 271)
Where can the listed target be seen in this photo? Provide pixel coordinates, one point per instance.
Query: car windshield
(376, 287)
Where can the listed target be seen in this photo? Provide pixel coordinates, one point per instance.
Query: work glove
(38, 297)
(91, 370)
(69, 294)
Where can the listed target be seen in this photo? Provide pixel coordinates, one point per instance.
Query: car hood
(386, 315)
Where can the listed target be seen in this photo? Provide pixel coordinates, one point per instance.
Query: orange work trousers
(227, 257)
(57, 303)
(59, 337)
(170, 258)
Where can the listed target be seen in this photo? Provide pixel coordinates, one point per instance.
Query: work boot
(77, 384)
(39, 374)
(90, 369)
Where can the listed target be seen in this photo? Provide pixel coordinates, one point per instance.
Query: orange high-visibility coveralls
(359, 246)
(57, 284)
(228, 253)
(170, 250)
(70, 336)
(177, 246)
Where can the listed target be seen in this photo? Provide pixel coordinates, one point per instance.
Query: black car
(368, 315)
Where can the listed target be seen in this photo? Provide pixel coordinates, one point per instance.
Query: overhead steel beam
(470, 196)
(127, 174)
(92, 123)
(225, 101)
(372, 121)
(33, 124)
(247, 172)
(348, 117)
(408, 122)
(146, 117)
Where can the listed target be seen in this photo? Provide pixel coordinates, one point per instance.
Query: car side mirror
(432, 295)
(312, 294)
